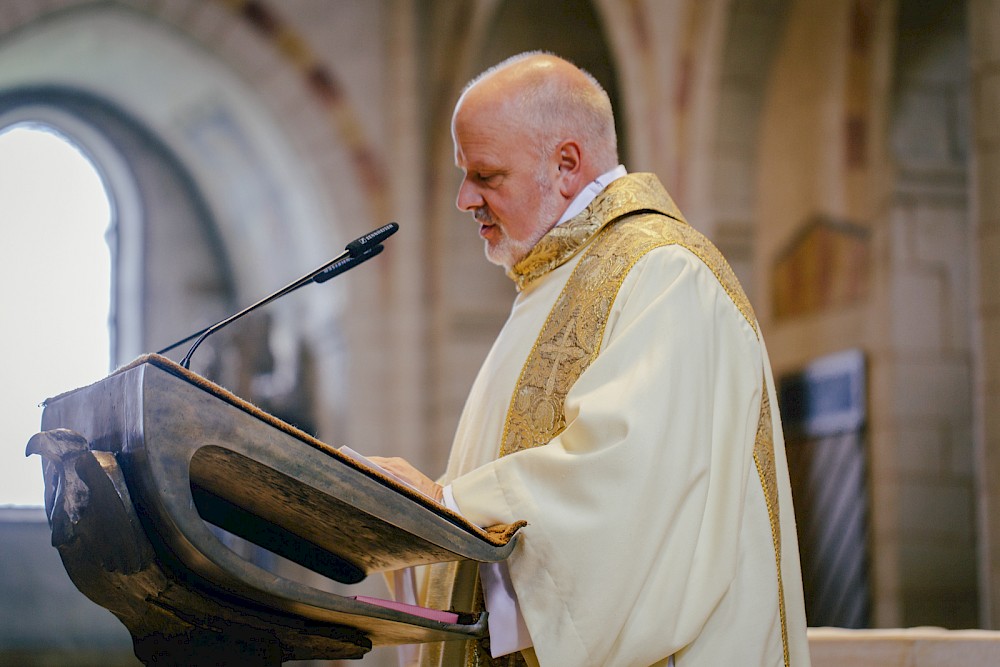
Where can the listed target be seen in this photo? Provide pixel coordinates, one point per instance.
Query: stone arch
(750, 44)
(695, 107)
(138, 172)
(254, 156)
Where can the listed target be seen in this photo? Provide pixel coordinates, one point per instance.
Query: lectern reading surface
(137, 465)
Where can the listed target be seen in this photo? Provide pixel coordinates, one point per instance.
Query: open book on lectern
(158, 453)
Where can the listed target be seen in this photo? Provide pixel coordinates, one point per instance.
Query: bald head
(530, 134)
(549, 100)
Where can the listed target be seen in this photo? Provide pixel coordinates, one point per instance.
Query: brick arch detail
(326, 89)
(319, 79)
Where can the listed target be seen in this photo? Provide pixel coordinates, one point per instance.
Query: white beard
(507, 251)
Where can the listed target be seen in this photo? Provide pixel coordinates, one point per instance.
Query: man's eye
(488, 179)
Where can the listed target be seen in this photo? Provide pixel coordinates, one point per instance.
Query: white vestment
(648, 533)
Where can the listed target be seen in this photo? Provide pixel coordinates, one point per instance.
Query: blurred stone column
(984, 30)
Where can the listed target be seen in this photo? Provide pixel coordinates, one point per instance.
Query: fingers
(401, 468)
(398, 466)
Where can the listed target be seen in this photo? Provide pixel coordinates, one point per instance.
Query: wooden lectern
(140, 466)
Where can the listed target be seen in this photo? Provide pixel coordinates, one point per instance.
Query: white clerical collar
(587, 195)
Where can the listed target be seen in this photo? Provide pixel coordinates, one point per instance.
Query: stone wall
(984, 31)
(44, 619)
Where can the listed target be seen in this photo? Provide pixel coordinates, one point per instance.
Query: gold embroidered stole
(633, 216)
(571, 337)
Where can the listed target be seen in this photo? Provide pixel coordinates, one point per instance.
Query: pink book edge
(433, 614)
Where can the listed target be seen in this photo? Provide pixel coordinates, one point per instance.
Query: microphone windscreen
(373, 238)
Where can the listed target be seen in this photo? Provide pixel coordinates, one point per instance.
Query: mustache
(484, 215)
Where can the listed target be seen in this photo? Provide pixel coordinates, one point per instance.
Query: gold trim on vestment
(763, 458)
(633, 216)
(645, 218)
(626, 195)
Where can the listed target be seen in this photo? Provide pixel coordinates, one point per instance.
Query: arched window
(55, 264)
(157, 240)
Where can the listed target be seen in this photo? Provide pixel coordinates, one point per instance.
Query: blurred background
(165, 163)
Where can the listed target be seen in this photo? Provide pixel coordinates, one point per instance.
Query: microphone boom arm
(284, 290)
(356, 252)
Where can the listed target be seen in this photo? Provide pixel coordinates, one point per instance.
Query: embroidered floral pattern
(643, 218)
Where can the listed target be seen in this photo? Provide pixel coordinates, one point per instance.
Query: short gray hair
(555, 109)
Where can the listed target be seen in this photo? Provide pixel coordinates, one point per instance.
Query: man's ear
(570, 165)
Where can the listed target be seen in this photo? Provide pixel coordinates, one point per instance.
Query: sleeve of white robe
(633, 511)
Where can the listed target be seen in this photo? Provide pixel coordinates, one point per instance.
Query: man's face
(511, 189)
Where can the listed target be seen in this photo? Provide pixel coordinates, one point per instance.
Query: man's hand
(402, 469)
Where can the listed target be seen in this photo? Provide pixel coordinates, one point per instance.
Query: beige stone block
(903, 647)
(311, 128)
(995, 567)
(929, 511)
(738, 117)
(959, 651)
(920, 451)
(856, 653)
(988, 246)
(986, 93)
(990, 477)
(991, 434)
(944, 566)
(141, 4)
(288, 92)
(954, 239)
(984, 32)
(922, 131)
(901, 244)
(176, 11)
(961, 454)
(55, 5)
(935, 389)
(940, 241)
(941, 234)
(986, 191)
(25, 10)
(8, 21)
(210, 22)
(883, 475)
(734, 185)
(990, 346)
(252, 54)
(880, 390)
(918, 311)
(952, 608)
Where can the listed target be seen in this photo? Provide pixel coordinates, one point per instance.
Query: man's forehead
(479, 128)
(487, 126)
(478, 146)
(471, 112)
(493, 99)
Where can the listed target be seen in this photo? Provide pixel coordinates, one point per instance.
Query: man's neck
(591, 190)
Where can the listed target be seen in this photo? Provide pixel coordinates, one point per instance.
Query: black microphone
(356, 252)
(357, 246)
(347, 263)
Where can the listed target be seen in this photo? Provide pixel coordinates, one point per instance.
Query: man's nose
(468, 196)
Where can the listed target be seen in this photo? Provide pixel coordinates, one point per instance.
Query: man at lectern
(626, 411)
